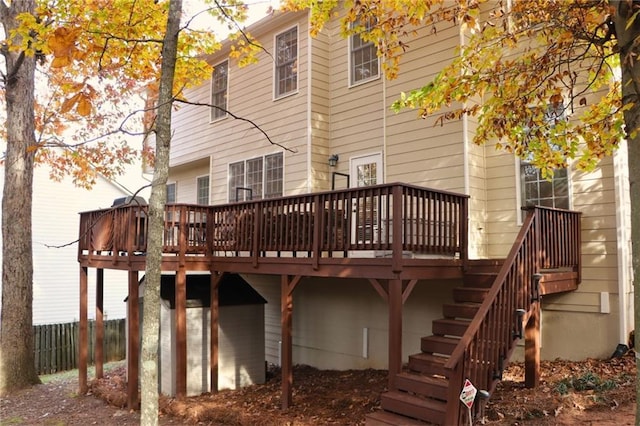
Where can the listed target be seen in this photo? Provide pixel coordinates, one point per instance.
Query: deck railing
(548, 240)
(392, 217)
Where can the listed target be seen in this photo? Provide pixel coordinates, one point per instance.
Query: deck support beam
(83, 332)
(395, 330)
(99, 349)
(287, 285)
(532, 348)
(214, 318)
(181, 333)
(133, 348)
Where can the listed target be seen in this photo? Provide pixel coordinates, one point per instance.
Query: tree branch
(256, 126)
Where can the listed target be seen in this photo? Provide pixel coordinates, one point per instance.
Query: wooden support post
(133, 352)
(286, 303)
(83, 332)
(99, 349)
(214, 312)
(396, 243)
(532, 348)
(181, 333)
(395, 330)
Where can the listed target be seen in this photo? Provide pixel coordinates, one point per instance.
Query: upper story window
(219, 91)
(536, 190)
(363, 59)
(256, 178)
(171, 192)
(286, 72)
(202, 190)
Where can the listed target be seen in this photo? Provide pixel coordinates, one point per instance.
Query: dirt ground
(591, 392)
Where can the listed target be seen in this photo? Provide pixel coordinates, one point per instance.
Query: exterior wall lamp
(333, 160)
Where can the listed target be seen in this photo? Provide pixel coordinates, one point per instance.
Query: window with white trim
(363, 59)
(539, 191)
(219, 86)
(256, 178)
(286, 67)
(536, 190)
(171, 192)
(202, 190)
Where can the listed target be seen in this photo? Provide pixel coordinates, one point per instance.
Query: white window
(536, 190)
(363, 59)
(366, 171)
(257, 178)
(202, 190)
(219, 91)
(286, 71)
(171, 192)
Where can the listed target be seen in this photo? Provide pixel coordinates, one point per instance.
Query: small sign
(468, 394)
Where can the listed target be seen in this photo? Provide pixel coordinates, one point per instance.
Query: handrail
(389, 217)
(548, 239)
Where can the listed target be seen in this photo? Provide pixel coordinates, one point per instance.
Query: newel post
(464, 230)
(397, 222)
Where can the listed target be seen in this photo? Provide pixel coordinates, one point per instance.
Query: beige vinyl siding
(269, 289)
(320, 175)
(418, 151)
(592, 193)
(502, 203)
(320, 337)
(185, 177)
(250, 96)
(354, 121)
(356, 112)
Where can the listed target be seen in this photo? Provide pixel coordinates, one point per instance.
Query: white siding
(241, 348)
(55, 269)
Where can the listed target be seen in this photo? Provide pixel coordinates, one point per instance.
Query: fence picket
(56, 345)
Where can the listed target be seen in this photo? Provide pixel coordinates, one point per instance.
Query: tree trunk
(151, 314)
(17, 369)
(627, 33)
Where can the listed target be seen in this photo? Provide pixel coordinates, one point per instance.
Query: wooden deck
(392, 235)
(347, 233)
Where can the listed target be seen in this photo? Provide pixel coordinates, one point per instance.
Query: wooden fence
(56, 345)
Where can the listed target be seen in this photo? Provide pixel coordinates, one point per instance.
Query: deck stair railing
(549, 240)
(391, 217)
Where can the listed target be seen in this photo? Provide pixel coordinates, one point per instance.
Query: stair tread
(436, 381)
(382, 417)
(443, 339)
(426, 356)
(453, 321)
(469, 289)
(407, 398)
(485, 273)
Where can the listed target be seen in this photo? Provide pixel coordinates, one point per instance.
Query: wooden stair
(421, 390)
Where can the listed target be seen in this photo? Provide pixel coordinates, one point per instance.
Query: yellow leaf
(60, 62)
(69, 103)
(84, 106)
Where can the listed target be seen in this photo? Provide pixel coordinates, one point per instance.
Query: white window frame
(231, 196)
(359, 234)
(351, 71)
(212, 112)
(518, 168)
(198, 188)
(175, 192)
(296, 61)
(520, 195)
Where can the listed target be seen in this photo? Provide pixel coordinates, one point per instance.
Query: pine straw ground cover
(594, 392)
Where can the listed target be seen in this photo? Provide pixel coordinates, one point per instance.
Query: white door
(365, 171)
